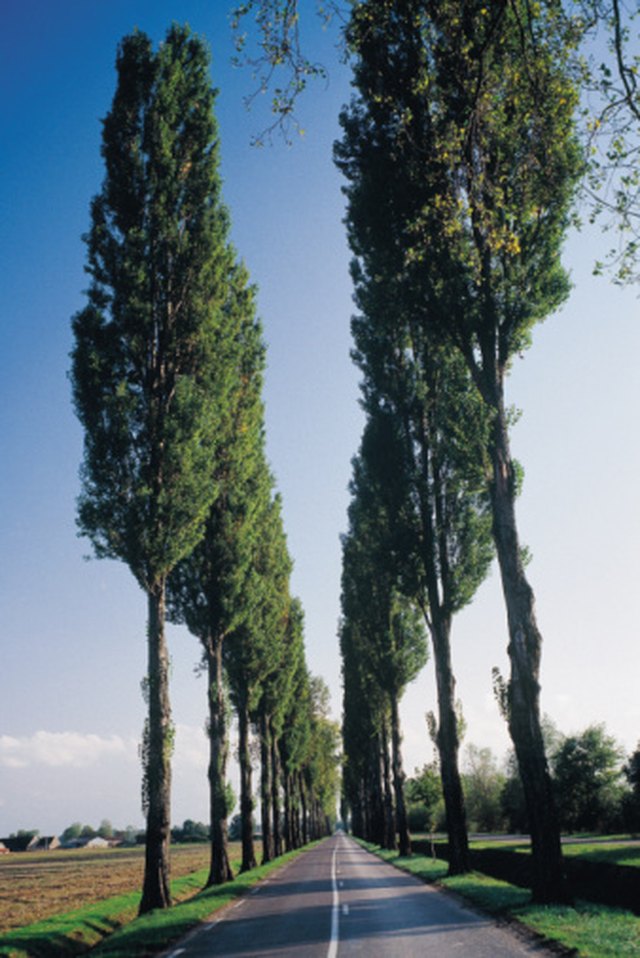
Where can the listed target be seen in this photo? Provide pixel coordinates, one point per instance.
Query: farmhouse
(20, 843)
(45, 843)
(86, 842)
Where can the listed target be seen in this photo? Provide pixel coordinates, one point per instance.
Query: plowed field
(37, 885)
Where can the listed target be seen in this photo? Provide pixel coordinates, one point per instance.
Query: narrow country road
(338, 901)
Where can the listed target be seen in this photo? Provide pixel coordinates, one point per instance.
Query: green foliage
(254, 651)
(71, 831)
(470, 119)
(424, 790)
(190, 832)
(206, 590)
(631, 808)
(587, 777)
(150, 365)
(607, 64)
(483, 785)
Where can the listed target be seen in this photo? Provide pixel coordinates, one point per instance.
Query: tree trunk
(265, 789)
(304, 829)
(288, 811)
(295, 811)
(220, 868)
(525, 647)
(357, 815)
(375, 796)
(448, 745)
(389, 817)
(275, 794)
(404, 839)
(246, 798)
(157, 760)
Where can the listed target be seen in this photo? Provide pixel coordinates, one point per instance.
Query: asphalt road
(339, 901)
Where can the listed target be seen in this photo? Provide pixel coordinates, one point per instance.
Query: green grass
(610, 852)
(594, 931)
(613, 851)
(110, 928)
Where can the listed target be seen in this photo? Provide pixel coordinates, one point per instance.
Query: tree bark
(265, 788)
(295, 811)
(220, 868)
(304, 824)
(525, 647)
(246, 798)
(389, 841)
(275, 794)
(402, 825)
(155, 890)
(373, 796)
(448, 746)
(288, 811)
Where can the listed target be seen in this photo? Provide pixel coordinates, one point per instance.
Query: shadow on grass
(71, 934)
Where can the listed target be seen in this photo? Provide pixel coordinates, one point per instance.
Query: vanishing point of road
(337, 901)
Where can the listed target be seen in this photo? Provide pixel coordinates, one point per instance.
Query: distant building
(96, 842)
(20, 843)
(45, 843)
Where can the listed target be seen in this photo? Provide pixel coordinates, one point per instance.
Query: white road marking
(335, 913)
(345, 909)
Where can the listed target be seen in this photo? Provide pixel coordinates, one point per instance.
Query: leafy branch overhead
(272, 52)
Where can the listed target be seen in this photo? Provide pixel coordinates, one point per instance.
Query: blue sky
(72, 632)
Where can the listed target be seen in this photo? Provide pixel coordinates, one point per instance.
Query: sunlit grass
(593, 930)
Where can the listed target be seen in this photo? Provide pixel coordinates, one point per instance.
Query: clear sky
(72, 632)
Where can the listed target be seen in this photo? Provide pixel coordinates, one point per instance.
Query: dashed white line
(335, 913)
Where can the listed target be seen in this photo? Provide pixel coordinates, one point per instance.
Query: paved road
(339, 901)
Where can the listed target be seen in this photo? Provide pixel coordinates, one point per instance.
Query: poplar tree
(252, 652)
(379, 619)
(423, 446)
(150, 369)
(294, 736)
(474, 109)
(207, 589)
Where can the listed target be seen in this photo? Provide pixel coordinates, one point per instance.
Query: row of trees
(596, 788)
(167, 374)
(462, 160)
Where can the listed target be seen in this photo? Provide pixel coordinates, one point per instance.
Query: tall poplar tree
(474, 109)
(150, 371)
(207, 589)
(423, 446)
(380, 625)
(253, 651)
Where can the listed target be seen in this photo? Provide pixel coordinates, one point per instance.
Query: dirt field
(35, 886)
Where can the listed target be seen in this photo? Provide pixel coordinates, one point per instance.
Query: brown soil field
(37, 885)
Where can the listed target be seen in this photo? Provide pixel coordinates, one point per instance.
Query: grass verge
(612, 851)
(592, 931)
(110, 929)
